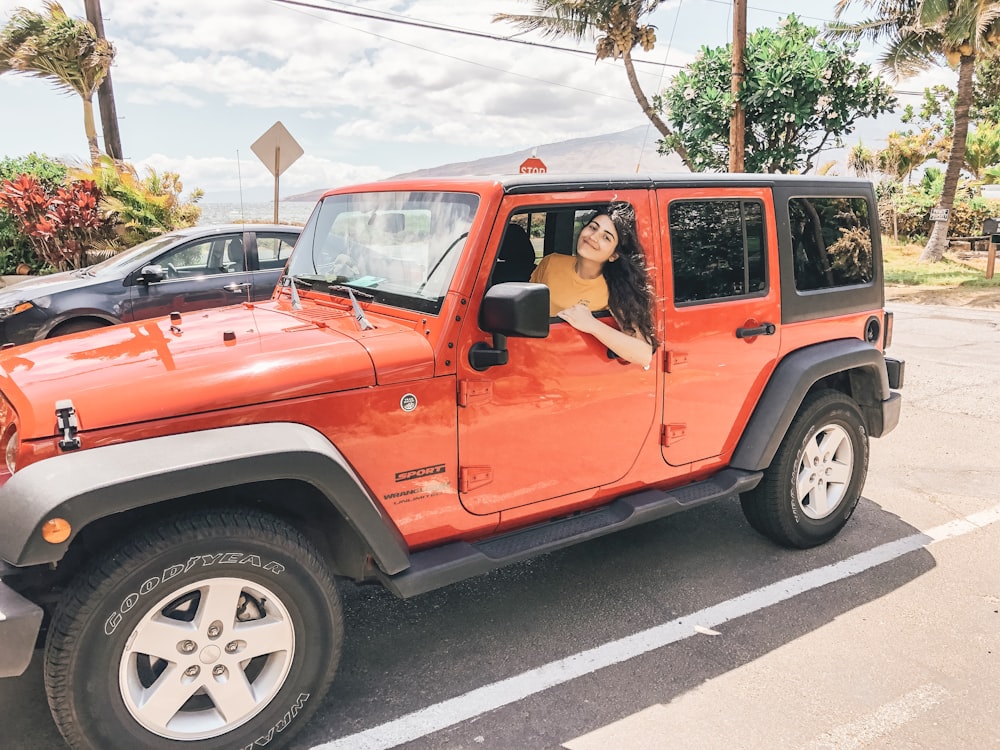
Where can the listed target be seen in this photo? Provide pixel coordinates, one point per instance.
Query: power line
(405, 21)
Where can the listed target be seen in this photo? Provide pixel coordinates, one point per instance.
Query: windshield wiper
(351, 291)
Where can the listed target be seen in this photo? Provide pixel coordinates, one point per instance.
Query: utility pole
(737, 142)
(105, 94)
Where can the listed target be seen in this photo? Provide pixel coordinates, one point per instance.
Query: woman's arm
(630, 347)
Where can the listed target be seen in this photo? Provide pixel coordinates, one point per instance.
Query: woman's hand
(580, 317)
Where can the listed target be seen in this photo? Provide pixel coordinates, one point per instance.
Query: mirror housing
(513, 308)
(516, 308)
(151, 274)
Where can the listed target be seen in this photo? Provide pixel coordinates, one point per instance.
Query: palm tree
(982, 149)
(63, 50)
(861, 160)
(920, 34)
(618, 26)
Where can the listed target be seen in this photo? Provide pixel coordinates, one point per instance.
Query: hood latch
(67, 424)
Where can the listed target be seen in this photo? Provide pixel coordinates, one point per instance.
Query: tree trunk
(937, 243)
(105, 92)
(90, 127)
(648, 110)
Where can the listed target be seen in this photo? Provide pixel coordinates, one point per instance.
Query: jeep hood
(211, 360)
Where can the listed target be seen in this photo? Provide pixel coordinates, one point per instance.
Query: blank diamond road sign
(277, 149)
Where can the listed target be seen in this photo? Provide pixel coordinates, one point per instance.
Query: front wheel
(815, 480)
(215, 630)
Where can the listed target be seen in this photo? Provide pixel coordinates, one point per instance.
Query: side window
(188, 260)
(235, 259)
(519, 248)
(831, 241)
(717, 248)
(273, 249)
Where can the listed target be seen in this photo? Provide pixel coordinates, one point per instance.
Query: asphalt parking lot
(694, 632)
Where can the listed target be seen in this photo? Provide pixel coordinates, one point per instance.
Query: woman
(608, 272)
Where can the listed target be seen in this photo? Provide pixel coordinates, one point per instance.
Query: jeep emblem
(408, 402)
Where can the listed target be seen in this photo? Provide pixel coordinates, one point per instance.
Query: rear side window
(717, 249)
(831, 241)
(273, 249)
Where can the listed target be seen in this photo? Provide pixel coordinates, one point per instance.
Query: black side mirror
(151, 274)
(514, 308)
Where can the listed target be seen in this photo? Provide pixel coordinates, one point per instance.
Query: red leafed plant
(61, 225)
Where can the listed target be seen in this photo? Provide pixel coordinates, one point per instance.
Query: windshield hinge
(67, 424)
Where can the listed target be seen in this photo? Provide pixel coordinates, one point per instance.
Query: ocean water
(289, 212)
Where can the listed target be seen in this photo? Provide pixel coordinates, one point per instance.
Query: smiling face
(598, 240)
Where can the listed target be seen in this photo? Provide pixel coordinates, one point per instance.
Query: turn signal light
(56, 530)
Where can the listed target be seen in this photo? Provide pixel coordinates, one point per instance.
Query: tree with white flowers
(801, 95)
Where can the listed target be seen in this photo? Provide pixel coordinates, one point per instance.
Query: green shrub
(15, 246)
(913, 207)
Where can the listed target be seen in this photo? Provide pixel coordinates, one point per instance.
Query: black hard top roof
(531, 183)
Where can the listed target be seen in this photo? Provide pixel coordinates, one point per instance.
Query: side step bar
(440, 566)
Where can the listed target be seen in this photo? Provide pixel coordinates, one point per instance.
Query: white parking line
(476, 702)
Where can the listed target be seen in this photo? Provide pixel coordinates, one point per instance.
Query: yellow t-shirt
(566, 288)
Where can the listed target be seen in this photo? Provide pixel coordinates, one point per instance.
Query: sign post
(991, 256)
(278, 150)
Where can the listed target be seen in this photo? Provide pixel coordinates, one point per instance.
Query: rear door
(270, 251)
(562, 415)
(722, 323)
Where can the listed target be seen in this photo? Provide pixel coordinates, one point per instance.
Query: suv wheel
(218, 630)
(815, 480)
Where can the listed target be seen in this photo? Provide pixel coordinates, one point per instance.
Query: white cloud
(198, 82)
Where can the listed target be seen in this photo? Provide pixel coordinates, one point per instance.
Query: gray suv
(188, 269)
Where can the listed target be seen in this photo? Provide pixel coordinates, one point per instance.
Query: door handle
(764, 329)
(236, 288)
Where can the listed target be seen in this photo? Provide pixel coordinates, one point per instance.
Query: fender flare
(87, 485)
(788, 386)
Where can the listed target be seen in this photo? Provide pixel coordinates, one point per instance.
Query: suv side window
(222, 254)
(273, 249)
(717, 248)
(831, 241)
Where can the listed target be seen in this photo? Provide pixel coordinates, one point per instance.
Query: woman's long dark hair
(630, 290)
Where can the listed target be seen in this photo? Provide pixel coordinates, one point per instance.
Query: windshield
(400, 248)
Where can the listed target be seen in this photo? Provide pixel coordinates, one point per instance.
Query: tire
(814, 481)
(211, 630)
(75, 326)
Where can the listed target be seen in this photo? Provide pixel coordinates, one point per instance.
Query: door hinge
(671, 434)
(471, 477)
(673, 360)
(474, 392)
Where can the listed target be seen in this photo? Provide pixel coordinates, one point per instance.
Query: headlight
(13, 443)
(7, 311)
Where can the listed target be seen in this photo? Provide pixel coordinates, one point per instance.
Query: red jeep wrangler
(181, 494)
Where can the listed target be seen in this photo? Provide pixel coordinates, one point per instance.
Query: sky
(196, 83)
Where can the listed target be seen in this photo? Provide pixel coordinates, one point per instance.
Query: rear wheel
(216, 630)
(815, 480)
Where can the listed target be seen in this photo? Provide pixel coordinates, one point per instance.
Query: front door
(722, 320)
(210, 272)
(562, 416)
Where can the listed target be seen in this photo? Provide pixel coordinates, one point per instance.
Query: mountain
(617, 153)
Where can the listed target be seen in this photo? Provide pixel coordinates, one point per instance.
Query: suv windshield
(400, 248)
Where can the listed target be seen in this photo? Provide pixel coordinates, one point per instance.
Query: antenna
(239, 177)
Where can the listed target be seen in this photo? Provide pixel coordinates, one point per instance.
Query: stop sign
(533, 165)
